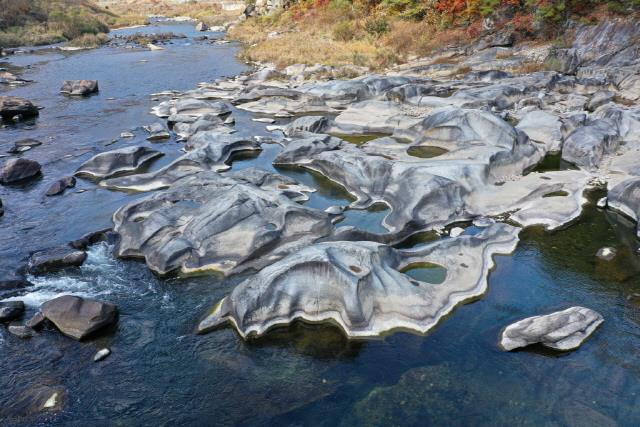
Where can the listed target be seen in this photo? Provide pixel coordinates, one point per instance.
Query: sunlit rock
(563, 330)
(360, 287)
(117, 162)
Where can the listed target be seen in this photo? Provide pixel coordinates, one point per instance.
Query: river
(162, 373)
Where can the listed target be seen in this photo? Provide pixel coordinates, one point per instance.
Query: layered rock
(117, 162)
(209, 222)
(208, 151)
(359, 286)
(563, 330)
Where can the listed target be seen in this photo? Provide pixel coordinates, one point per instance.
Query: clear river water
(161, 373)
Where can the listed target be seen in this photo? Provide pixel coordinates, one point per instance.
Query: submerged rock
(36, 321)
(206, 221)
(79, 87)
(101, 355)
(79, 317)
(360, 287)
(116, 162)
(16, 170)
(11, 106)
(10, 310)
(606, 253)
(24, 145)
(55, 259)
(563, 330)
(60, 185)
(21, 331)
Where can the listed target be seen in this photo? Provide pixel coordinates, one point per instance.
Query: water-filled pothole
(552, 162)
(426, 272)
(560, 193)
(359, 139)
(426, 151)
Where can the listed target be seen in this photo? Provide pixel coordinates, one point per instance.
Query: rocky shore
(443, 144)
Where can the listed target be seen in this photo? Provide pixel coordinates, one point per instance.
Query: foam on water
(100, 276)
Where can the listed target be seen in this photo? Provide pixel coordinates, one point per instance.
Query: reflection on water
(163, 373)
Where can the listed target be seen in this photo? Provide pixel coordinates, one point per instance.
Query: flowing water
(161, 373)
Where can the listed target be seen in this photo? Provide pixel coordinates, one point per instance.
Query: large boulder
(79, 87)
(79, 317)
(205, 221)
(544, 128)
(587, 145)
(11, 106)
(16, 170)
(117, 162)
(55, 259)
(360, 286)
(563, 330)
(625, 198)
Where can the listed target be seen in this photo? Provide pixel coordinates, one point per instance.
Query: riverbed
(162, 373)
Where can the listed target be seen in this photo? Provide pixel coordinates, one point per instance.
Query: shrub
(344, 31)
(377, 26)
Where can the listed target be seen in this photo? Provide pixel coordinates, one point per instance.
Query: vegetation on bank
(136, 12)
(39, 22)
(381, 33)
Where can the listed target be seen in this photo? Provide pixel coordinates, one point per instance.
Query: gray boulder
(79, 317)
(60, 185)
(563, 330)
(157, 132)
(55, 259)
(16, 170)
(205, 221)
(79, 87)
(10, 310)
(587, 145)
(11, 106)
(117, 162)
(599, 99)
(201, 26)
(312, 124)
(360, 287)
(625, 198)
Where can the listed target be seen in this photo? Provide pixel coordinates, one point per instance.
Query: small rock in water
(152, 46)
(562, 330)
(10, 310)
(157, 132)
(334, 210)
(102, 354)
(21, 331)
(126, 135)
(201, 26)
(51, 402)
(607, 253)
(264, 120)
(602, 203)
(60, 185)
(55, 259)
(483, 222)
(456, 231)
(23, 145)
(79, 87)
(79, 317)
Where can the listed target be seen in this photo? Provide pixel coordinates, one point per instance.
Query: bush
(377, 26)
(344, 31)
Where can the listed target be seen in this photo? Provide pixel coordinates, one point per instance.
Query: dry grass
(135, 12)
(338, 36)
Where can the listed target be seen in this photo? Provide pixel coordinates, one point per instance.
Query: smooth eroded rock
(360, 287)
(116, 162)
(10, 310)
(60, 185)
(563, 330)
(79, 317)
